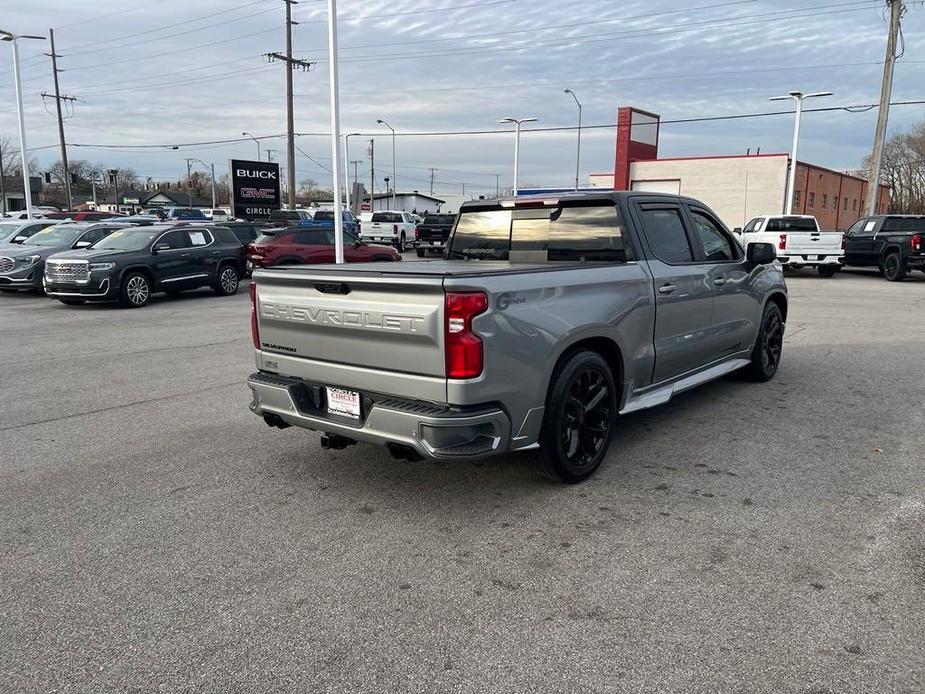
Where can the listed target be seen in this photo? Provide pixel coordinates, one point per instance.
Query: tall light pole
(346, 164)
(212, 174)
(517, 123)
(335, 131)
(255, 140)
(24, 156)
(799, 97)
(578, 153)
(394, 177)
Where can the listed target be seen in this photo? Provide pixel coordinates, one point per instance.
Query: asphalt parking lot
(156, 536)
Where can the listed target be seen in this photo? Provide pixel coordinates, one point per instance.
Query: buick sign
(255, 191)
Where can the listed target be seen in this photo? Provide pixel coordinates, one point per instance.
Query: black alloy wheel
(893, 268)
(769, 346)
(580, 417)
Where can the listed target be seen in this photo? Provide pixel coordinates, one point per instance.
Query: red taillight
(782, 244)
(463, 347)
(916, 243)
(843, 242)
(255, 332)
(417, 232)
(394, 228)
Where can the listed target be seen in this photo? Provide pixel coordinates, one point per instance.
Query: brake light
(463, 347)
(917, 243)
(417, 231)
(394, 228)
(782, 244)
(843, 242)
(255, 331)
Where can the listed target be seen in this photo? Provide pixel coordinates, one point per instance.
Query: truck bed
(431, 268)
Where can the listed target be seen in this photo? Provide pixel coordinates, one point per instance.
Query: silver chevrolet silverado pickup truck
(547, 317)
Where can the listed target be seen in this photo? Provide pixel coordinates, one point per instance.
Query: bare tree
(903, 169)
(12, 164)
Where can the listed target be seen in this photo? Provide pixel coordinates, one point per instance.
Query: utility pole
(58, 99)
(189, 183)
(897, 8)
(372, 175)
(432, 171)
(2, 187)
(305, 66)
(497, 185)
(356, 170)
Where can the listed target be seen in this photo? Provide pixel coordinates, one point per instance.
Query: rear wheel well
(890, 249)
(607, 348)
(781, 302)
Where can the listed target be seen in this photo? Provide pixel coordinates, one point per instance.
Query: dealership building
(736, 187)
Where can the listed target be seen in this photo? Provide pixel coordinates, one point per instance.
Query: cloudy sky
(164, 72)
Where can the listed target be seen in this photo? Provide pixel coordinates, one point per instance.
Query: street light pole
(335, 131)
(394, 177)
(212, 174)
(578, 153)
(799, 97)
(23, 153)
(347, 164)
(255, 140)
(517, 123)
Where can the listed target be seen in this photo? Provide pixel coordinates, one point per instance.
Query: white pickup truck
(798, 240)
(392, 227)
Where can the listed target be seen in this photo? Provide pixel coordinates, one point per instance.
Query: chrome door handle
(719, 281)
(667, 289)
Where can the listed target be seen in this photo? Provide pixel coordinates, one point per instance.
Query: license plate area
(342, 402)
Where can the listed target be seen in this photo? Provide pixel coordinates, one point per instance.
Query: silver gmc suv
(547, 317)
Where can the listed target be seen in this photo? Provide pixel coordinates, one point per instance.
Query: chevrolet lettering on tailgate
(398, 322)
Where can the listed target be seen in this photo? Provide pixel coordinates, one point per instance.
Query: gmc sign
(255, 190)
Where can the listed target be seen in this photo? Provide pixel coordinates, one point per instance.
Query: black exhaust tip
(335, 442)
(274, 420)
(402, 452)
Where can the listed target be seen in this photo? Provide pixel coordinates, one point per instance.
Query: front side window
(664, 230)
(855, 228)
(716, 247)
(751, 226)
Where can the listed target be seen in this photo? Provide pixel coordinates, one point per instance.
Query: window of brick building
(854, 204)
(812, 200)
(825, 200)
(796, 198)
(846, 203)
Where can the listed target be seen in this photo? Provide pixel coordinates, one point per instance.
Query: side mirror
(737, 230)
(19, 239)
(81, 244)
(166, 247)
(760, 253)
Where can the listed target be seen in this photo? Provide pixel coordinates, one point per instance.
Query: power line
(453, 133)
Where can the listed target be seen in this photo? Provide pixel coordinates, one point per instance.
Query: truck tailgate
(814, 243)
(377, 322)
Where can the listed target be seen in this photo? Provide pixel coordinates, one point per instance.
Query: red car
(297, 246)
(82, 216)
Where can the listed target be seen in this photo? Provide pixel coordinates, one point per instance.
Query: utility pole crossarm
(303, 65)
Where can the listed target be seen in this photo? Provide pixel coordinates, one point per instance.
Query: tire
(400, 246)
(73, 302)
(227, 281)
(135, 291)
(768, 347)
(893, 268)
(421, 252)
(827, 270)
(575, 437)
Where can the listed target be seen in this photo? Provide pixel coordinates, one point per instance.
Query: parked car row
(893, 243)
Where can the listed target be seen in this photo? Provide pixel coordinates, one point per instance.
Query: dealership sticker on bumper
(345, 403)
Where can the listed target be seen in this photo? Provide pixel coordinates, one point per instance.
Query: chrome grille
(6, 264)
(63, 271)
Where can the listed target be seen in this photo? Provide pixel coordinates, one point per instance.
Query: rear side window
(318, 237)
(388, 217)
(225, 235)
(664, 230)
(904, 224)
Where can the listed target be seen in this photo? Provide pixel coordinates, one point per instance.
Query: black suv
(130, 264)
(895, 243)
